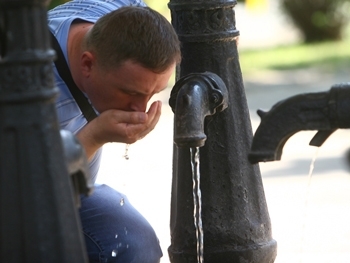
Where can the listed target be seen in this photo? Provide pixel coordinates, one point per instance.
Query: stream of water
(197, 201)
(311, 169)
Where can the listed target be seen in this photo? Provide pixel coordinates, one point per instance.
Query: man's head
(128, 56)
(139, 34)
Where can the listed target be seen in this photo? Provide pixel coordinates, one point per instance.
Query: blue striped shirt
(59, 20)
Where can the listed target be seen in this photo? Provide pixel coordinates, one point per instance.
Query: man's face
(127, 88)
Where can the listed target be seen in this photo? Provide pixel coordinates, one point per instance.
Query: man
(120, 53)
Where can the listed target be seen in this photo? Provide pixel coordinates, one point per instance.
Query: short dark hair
(140, 34)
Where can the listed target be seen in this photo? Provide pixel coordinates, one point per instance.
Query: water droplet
(126, 154)
(127, 245)
(126, 231)
(114, 253)
(122, 202)
(116, 235)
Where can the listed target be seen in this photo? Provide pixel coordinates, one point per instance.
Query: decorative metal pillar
(235, 218)
(38, 217)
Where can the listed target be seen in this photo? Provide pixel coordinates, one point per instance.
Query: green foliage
(55, 3)
(318, 20)
(328, 56)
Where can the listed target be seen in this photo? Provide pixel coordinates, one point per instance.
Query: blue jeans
(115, 231)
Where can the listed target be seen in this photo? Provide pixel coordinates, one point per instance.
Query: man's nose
(140, 104)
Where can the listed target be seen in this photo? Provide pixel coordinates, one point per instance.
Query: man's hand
(118, 126)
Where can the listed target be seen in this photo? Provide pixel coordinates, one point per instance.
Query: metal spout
(77, 165)
(193, 98)
(322, 111)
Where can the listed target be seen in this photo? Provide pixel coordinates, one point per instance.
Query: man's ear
(87, 62)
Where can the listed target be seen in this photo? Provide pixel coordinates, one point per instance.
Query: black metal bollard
(38, 217)
(236, 222)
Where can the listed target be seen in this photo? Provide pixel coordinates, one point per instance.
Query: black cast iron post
(38, 217)
(235, 217)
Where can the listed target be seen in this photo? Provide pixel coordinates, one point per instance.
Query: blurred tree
(160, 5)
(54, 3)
(318, 20)
(256, 5)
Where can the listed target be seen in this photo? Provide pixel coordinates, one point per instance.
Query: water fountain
(39, 221)
(39, 217)
(235, 218)
(322, 111)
